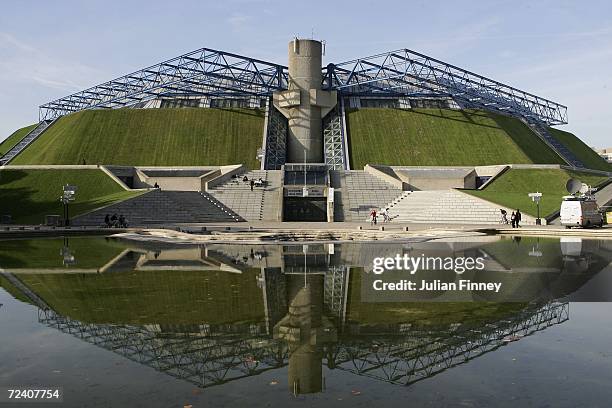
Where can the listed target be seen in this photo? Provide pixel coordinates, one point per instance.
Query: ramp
(541, 129)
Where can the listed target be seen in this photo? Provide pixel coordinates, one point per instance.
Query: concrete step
(445, 206)
(159, 206)
(259, 204)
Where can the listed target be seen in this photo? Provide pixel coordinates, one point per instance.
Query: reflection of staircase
(25, 142)
(159, 207)
(542, 130)
(359, 192)
(445, 207)
(260, 204)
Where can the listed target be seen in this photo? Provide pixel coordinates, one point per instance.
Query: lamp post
(536, 197)
(67, 196)
(304, 189)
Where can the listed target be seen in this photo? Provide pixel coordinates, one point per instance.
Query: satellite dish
(584, 188)
(573, 186)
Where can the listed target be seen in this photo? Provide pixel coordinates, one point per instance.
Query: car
(580, 211)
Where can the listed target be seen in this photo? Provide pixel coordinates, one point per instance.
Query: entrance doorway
(309, 209)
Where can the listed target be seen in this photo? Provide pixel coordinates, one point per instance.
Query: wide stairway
(25, 142)
(263, 203)
(163, 207)
(357, 192)
(443, 207)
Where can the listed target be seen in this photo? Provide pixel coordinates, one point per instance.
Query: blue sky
(561, 50)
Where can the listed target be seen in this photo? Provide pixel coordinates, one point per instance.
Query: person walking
(513, 219)
(504, 216)
(107, 221)
(385, 214)
(518, 218)
(252, 184)
(374, 217)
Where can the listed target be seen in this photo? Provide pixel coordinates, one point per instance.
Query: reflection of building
(403, 357)
(310, 314)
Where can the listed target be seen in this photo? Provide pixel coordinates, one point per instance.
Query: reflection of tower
(304, 104)
(305, 329)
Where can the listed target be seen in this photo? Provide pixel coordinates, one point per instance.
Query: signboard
(535, 197)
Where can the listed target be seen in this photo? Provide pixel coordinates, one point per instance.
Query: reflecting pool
(125, 323)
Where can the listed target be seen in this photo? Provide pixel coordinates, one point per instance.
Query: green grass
(29, 195)
(512, 187)
(8, 143)
(511, 254)
(89, 252)
(583, 152)
(429, 137)
(423, 314)
(153, 297)
(153, 137)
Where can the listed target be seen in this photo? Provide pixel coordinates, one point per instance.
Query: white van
(580, 212)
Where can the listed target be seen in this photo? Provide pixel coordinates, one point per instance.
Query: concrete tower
(304, 104)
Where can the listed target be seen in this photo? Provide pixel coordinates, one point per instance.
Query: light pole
(536, 197)
(66, 197)
(305, 189)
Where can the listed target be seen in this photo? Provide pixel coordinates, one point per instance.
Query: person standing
(252, 183)
(518, 217)
(373, 215)
(513, 219)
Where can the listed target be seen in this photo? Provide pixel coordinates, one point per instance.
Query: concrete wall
(174, 183)
(177, 182)
(426, 183)
(425, 178)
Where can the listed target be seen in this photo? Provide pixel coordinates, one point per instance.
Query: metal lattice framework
(406, 359)
(204, 72)
(204, 359)
(212, 356)
(333, 141)
(335, 291)
(208, 72)
(276, 139)
(406, 72)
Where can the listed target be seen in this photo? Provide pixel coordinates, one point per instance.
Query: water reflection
(219, 313)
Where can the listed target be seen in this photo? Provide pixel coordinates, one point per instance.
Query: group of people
(115, 221)
(374, 216)
(515, 218)
(259, 182)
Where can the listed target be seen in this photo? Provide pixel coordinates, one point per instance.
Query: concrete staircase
(163, 207)
(263, 203)
(446, 207)
(26, 141)
(357, 192)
